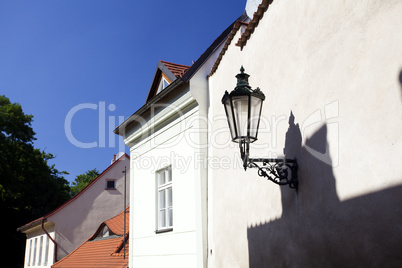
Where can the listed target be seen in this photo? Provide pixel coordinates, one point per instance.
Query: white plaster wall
(77, 221)
(335, 66)
(171, 145)
(200, 92)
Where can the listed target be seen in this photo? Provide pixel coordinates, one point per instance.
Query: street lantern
(243, 108)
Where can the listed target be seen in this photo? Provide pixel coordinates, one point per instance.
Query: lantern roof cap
(243, 88)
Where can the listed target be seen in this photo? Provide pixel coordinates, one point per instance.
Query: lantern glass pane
(229, 115)
(255, 110)
(240, 108)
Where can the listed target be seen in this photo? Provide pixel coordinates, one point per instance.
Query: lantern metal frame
(281, 171)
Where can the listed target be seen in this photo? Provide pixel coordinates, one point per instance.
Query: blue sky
(100, 55)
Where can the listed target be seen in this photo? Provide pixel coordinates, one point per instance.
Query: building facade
(331, 74)
(55, 235)
(168, 148)
(163, 189)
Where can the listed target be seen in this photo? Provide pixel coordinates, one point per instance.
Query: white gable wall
(78, 220)
(335, 66)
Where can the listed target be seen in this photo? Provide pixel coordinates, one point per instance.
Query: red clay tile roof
(116, 224)
(254, 22)
(97, 253)
(103, 252)
(38, 221)
(177, 69)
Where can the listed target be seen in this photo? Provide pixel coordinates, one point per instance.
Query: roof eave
(120, 130)
(211, 49)
(30, 225)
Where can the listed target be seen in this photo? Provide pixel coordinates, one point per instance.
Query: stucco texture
(79, 219)
(330, 71)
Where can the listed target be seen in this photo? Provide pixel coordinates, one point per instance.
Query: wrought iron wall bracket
(278, 170)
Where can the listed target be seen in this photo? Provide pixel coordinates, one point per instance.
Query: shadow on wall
(400, 81)
(317, 229)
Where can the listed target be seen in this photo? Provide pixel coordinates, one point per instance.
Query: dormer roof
(166, 72)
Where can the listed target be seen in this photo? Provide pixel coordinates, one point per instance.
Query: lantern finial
(242, 79)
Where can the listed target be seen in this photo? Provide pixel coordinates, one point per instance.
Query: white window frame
(34, 253)
(164, 200)
(30, 252)
(40, 251)
(45, 260)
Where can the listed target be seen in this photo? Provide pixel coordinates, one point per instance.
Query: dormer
(165, 74)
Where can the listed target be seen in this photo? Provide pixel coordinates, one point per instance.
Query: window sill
(163, 230)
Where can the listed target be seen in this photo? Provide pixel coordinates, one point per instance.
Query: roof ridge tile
(257, 16)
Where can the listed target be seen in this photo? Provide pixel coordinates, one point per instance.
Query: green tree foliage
(83, 180)
(29, 186)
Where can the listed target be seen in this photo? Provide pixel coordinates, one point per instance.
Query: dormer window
(165, 74)
(104, 232)
(163, 84)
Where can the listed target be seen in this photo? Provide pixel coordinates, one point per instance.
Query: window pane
(161, 178)
(165, 83)
(110, 185)
(105, 231)
(162, 218)
(162, 202)
(168, 174)
(170, 217)
(169, 196)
